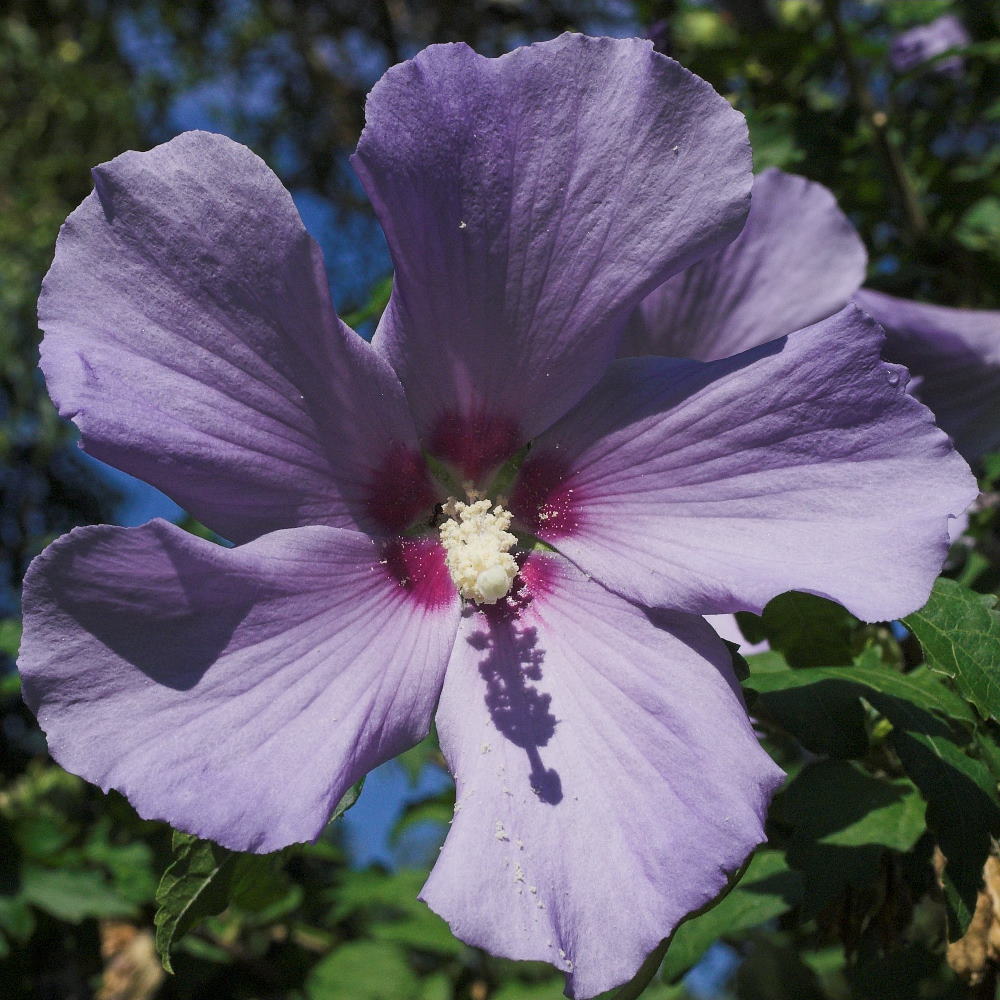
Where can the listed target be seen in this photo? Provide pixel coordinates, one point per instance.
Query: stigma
(477, 548)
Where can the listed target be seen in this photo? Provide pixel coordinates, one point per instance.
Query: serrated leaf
(959, 632)
(769, 888)
(201, 881)
(195, 885)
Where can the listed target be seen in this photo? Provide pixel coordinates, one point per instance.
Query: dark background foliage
(889, 734)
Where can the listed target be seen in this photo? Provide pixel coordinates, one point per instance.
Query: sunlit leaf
(959, 632)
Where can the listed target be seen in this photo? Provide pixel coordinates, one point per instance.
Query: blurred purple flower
(915, 46)
(799, 260)
(608, 778)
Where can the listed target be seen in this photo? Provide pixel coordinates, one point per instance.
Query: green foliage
(840, 819)
(930, 732)
(62, 861)
(363, 970)
(874, 683)
(807, 630)
(959, 632)
(72, 895)
(767, 890)
(203, 880)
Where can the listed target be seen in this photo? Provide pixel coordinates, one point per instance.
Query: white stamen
(477, 549)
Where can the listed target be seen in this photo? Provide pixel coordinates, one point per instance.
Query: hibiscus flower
(482, 517)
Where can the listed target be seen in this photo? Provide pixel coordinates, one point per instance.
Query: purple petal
(235, 693)
(797, 261)
(190, 336)
(529, 202)
(608, 777)
(954, 355)
(713, 487)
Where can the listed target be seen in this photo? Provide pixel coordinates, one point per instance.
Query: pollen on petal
(543, 501)
(477, 546)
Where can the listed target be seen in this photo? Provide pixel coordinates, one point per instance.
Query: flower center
(477, 548)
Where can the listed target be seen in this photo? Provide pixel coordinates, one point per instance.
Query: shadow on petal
(520, 711)
(171, 598)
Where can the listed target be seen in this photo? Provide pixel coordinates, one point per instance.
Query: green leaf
(825, 716)
(962, 808)
(810, 631)
(959, 632)
(837, 803)
(16, 919)
(130, 865)
(201, 881)
(918, 686)
(979, 227)
(423, 931)
(842, 819)
(204, 879)
(349, 798)
(72, 895)
(389, 901)
(361, 891)
(437, 987)
(769, 888)
(363, 970)
(10, 637)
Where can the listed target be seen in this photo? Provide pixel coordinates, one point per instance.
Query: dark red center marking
(418, 566)
(474, 444)
(543, 499)
(400, 490)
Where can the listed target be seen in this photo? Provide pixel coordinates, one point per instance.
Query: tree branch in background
(909, 203)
